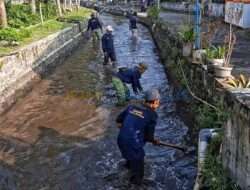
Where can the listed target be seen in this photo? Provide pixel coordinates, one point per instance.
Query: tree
(59, 7)
(3, 15)
(41, 11)
(33, 6)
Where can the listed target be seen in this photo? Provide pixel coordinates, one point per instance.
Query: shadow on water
(62, 135)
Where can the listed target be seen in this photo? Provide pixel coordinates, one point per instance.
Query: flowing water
(62, 135)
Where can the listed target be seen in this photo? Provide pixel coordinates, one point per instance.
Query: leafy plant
(207, 117)
(11, 34)
(153, 12)
(240, 82)
(215, 177)
(214, 52)
(187, 35)
(20, 15)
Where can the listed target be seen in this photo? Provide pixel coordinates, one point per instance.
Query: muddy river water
(62, 135)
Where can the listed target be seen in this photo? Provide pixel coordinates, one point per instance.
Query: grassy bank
(25, 35)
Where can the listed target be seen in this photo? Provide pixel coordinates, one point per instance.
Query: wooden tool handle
(172, 146)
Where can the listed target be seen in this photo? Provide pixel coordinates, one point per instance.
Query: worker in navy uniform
(143, 5)
(137, 126)
(108, 46)
(133, 24)
(128, 76)
(95, 26)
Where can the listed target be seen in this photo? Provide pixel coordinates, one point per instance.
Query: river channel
(62, 134)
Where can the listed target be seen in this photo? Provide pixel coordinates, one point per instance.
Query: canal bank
(64, 134)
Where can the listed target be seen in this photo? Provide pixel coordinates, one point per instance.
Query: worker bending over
(129, 76)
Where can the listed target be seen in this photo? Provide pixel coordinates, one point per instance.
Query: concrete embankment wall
(236, 140)
(21, 69)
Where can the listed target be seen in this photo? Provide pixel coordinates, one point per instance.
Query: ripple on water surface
(59, 137)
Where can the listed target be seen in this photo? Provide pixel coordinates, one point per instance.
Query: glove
(156, 142)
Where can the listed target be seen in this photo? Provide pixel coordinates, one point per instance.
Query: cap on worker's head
(142, 66)
(109, 28)
(152, 95)
(92, 15)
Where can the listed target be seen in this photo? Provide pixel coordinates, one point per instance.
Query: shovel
(183, 149)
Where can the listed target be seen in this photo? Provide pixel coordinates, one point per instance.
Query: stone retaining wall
(27, 65)
(236, 141)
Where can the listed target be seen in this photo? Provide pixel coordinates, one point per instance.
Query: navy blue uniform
(108, 47)
(131, 76)
(133, 22)
(94, 24)
(138, 126)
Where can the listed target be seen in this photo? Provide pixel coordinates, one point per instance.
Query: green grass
(38, 32)
(81, 14)
(49, 27)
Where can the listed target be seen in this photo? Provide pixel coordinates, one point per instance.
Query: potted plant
(216, 55)
(187, 36)
(225, 69)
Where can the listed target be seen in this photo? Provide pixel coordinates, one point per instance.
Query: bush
(11, 34)
(21, 15)
(215, 177)
(187, 34)
(206, 117)
(49, 10)
(153, 12)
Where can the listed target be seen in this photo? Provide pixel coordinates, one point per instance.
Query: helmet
(152, 95)
(109, 28)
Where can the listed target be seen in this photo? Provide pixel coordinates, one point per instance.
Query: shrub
(11, 34)
(21, 15)
(215, 177)
(153, 12)
(187, 35)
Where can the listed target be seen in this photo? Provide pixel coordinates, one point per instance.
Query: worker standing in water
(137, 126)
(133, 24)
(108, 46)
(128, 76)
(95, 26)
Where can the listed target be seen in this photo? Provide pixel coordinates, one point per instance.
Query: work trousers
(96, 34)
(122, 91)
(137, 170)
(109, 56)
